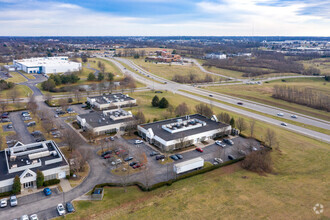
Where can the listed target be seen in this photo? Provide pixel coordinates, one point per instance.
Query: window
(28, 175)
(50, 177)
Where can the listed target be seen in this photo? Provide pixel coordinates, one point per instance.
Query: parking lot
(20, 127)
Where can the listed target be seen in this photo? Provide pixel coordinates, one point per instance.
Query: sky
(164, 18)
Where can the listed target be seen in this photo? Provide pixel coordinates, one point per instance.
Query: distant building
(105, 122)
(46, 65)
(164, 56)
(24, 161)
(176, 133)
(218, 56)
(111, 101)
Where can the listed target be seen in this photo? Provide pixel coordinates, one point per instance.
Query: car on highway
(284, 124)
(128, 159)
(218, 160)
(220, 143)
(154, 153)
(228, 141)
(138, 142)
(174, 157)
(24, 217)
(60, 209)
(69, 207)
(239, 103)
(231, 157)
(3, 202)
(13, 201)
(211, 95)
(199, 150)
(280, 114)
(34, 217)
(47, 191)
(179, 156)
(294, 116)
(160, 157)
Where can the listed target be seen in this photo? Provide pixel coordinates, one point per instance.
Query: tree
(241, 124)
(3, 106)
(77, 95)
(182, 109)
(13, 94)
(84, 58)
(270, 137)
(100, 76)
(204, 109)
(232, 122)
(91, 77)
(224, 117)
(16, 185)
(252, 125)
(163, 103)
(155, 101)
(258, 161)
(110, 76)
(139, 116)
(48, 85)
(71, 139)
(40, 179)
(32, 105)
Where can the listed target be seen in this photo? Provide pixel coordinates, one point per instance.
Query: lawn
(167, 71)
(323, 64)
(262, 93)
(16, 78)
(23, 91)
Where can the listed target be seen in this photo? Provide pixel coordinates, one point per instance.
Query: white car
(294, 116)
(254, 149)
(24, 217)
(34, 217)
(60, 209)
(118, 161)
(284, 124)
(220, 143)
(138, 142)
(3, 203)
(280, 114)
(218, 160)
(13, 201)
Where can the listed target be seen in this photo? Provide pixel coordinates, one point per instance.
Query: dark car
(40, 139)
(211, 95)
(128, 159)
(9, 126)
(228, 141)
(36, 133)
(231, 157)
(106, 152)
(107, 156)
(47, 191)
(179, 156)
(69, 207)
(160, 157)
(133, 163)
(158, 92)
(239, 103)
(174, 157)
(154, 153)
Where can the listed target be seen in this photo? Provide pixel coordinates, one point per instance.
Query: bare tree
(224, 117)
(63, 103)
(182, 109)
(148, 174)
(49, 97)
(13, 94)
(32, 105)
(203, 109)
(270, 137)
(241, 125)
(258, 161)
(77, 95)
(71, 139)
(3, 106)
(252, 124)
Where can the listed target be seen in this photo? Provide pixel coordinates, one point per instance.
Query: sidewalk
(65, 184)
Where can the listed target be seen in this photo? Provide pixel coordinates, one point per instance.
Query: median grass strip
(311, 127)
(16, 78)
(22, 92)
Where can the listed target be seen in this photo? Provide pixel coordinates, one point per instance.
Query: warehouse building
(176, 133)
(46, 65)
(105, 122)
(24, 161)
(111, 101)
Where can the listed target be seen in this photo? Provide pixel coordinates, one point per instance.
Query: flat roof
(45, 61)
(116, 97)
(184, 163)
(167, 136)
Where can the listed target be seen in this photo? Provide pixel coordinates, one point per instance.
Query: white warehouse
(46, 65)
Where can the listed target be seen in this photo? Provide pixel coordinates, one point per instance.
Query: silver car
(3, 203)
(13, 201)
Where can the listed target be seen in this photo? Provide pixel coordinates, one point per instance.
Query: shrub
(16, 185)
(155, 101)
(51, 182)
(163, 103)
(40, 179)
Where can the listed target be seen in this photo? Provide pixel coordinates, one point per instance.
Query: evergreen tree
(100, 76)
(155, 101)
(110, 76)
(163, 103)
(16, 185)
(40, 179)
(91, 77)
(232, 122)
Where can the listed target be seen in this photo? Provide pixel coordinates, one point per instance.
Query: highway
(164, 84)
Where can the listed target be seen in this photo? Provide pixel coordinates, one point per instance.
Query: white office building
(111, 101)
(25, 160)
(47, 65)
(218, 56)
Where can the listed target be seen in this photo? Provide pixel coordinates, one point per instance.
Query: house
(111, 101)
(176, 133)
(105, 122)
(24, 161)
(218, 56)
(46, 65)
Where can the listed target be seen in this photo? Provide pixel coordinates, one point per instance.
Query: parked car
(220, 143)
(60, 209)
(280, 114)
(218, 160)
(138, 142)
(107, 156)
(10, 126)
(284, 124)
(133, 163)
(25, 113)
(3, 203)
(34, 217)
(228, 141)
(174, 157)
(120, 152)
(294, 116)
(56, 115)
(179, 156)
(128, 159)
(138, 165)
(69, 207)
(106, 152)
(199, 149)
(239, 103)
(5, 120)
(154, 153)
(254, 149)
(27, 118)
(231, 157)
(31, 123)
(13, 201)
(47, 191)
(36, 133)
(112, 138)
(118, 161)
(40, 139)
(160, 157)
(24, 217)
(158, 92)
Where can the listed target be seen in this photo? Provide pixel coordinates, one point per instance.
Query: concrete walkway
(65, 184)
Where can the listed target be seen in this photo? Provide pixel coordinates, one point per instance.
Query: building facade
(218, 56)
(25, 160)
(176, 133)
(46, 65)
(111, 101)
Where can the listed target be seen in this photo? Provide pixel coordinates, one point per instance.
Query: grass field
(167, 71)
(323, 64)
(262, 93)
(16, 78)
(3, 135)
(299, 182)
(23, 91)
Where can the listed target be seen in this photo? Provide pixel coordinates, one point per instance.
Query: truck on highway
(188, 165)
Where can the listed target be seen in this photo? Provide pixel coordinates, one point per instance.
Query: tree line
(56, 80)
(6, 85)
(192, 78)
(303, 96)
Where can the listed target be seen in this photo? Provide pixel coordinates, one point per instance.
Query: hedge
(52, 182)
(4, 194)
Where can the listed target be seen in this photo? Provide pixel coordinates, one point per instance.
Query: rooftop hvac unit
(14, 166)
(34, 161)
(12, 158)
(54, 153)
(39, 155)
